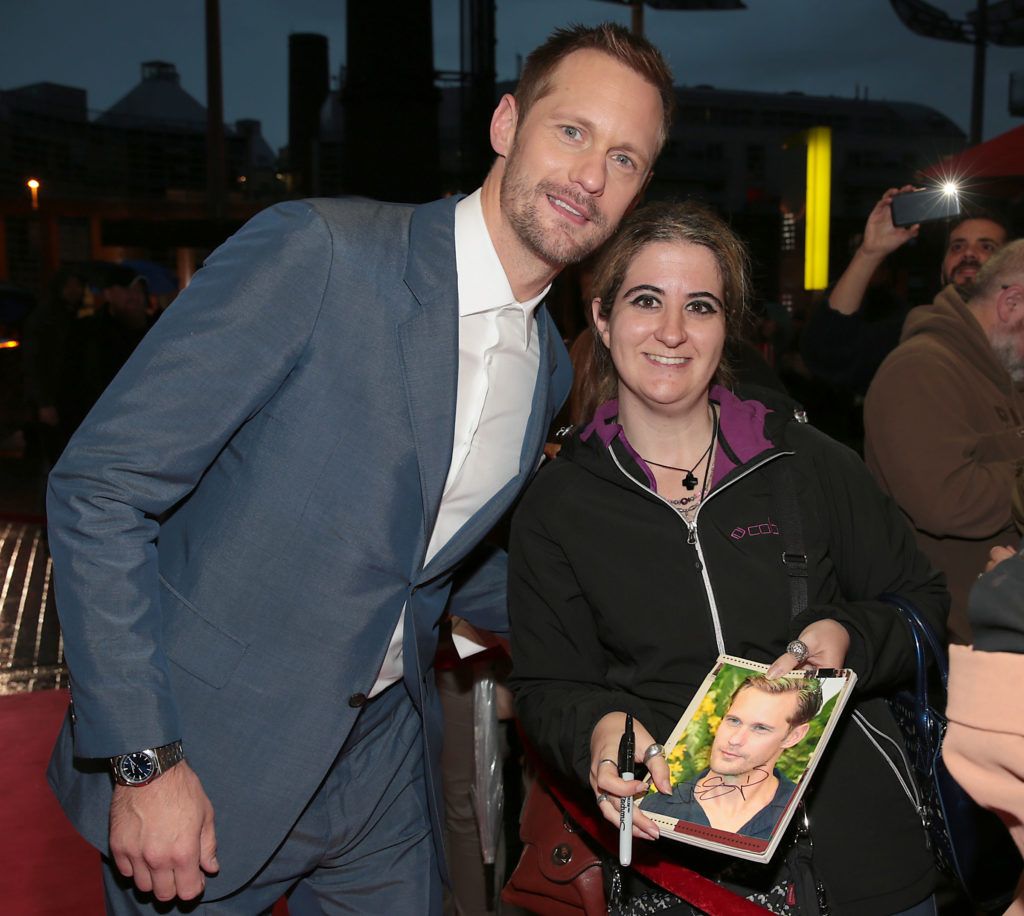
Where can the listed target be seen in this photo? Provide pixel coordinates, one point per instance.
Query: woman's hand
(827, 643)
(996, 556)
(604, 771)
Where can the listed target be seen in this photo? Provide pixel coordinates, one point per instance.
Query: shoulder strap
(787, 515)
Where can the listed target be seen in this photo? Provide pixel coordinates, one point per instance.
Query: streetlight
(33, 187)
(1000, 22)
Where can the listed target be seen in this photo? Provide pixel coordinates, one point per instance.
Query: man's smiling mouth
(574, 214)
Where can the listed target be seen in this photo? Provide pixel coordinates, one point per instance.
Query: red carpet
(46, 869)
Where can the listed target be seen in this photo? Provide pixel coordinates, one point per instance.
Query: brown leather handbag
(558, 874)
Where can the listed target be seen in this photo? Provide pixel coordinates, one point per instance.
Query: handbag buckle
(561, 854)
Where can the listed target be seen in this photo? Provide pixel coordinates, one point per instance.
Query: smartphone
(921, 206)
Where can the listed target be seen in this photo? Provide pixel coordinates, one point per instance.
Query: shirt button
(357, 700)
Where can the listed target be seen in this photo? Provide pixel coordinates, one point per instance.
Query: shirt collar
(483, 286)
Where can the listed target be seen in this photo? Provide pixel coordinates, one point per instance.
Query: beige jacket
(984, 746)
(944, 435)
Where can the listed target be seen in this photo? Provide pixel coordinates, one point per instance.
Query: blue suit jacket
(239, 522)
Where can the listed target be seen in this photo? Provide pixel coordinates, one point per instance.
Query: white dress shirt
(498, 360)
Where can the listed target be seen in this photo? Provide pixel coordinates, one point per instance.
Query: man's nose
(589, 171)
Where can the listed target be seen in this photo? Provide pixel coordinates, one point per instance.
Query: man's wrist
(140, 768)
(873, 256)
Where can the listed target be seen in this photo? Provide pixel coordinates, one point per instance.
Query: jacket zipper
(693, 538)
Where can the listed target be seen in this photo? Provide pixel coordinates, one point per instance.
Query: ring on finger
(655, 750)
(603, 797)
(798, 649)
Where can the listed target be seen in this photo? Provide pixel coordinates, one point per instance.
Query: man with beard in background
(849, 334)
(944, 417)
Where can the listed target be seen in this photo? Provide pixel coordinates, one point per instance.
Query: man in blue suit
(258, 529)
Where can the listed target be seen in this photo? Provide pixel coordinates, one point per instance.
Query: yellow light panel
(819, 197)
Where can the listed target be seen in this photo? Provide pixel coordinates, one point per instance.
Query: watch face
(136, 768)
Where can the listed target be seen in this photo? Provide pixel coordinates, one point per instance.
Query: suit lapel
(428, 342)
(541, 412)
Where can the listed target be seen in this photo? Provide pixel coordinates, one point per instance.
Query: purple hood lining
(741, 424)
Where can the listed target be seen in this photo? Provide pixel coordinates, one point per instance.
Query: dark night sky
(825, 47)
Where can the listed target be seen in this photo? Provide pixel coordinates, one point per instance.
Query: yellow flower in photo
(707, 705)
(713, 723)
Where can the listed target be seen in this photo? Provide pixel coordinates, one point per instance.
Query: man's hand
(827, 643)
(162, 836)
(604, 771)
(881, 237)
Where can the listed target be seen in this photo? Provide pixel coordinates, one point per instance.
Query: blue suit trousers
(362, 846)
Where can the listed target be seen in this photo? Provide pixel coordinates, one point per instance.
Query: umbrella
(488, 790)
(158, 278)
(1001, 158)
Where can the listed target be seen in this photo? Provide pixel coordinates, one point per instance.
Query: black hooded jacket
(617, 605)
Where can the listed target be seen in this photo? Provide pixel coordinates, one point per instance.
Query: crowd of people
(75, 343)
(293, 485)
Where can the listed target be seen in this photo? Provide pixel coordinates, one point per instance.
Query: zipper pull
(691, 538)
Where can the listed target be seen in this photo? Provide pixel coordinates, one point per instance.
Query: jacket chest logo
(755, 530)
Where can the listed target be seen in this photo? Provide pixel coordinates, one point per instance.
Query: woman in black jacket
(655, 542)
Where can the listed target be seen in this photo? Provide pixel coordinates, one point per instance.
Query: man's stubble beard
(519, 199)
(961, 287)
(1007, 346)
(731, 769)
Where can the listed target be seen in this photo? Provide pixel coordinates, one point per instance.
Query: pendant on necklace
(690, 481)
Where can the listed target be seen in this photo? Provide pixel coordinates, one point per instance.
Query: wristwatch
(141, 767)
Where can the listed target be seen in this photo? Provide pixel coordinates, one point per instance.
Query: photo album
(743, 753)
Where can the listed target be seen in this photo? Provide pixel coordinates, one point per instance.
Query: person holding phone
(849, 334)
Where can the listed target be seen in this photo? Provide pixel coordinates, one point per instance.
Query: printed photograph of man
(742, 790)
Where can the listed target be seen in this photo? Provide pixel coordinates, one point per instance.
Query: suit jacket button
(357, 700)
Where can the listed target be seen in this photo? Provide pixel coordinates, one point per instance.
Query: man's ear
(796, 735)
(503, 125)
(1010, 303)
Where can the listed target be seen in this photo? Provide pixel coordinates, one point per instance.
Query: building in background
(127, 182)
(130, 181)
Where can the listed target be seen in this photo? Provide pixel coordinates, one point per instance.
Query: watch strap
(168, 755)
